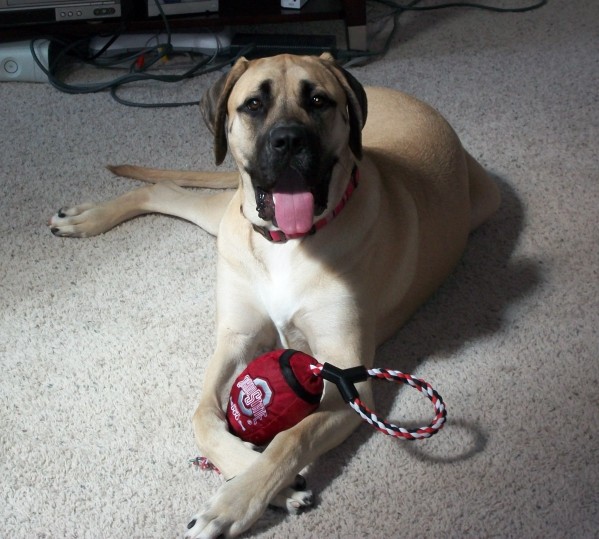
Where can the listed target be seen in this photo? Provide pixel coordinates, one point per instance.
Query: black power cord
(398, 9)
(151, 55)
(473, 5)
(207, 64)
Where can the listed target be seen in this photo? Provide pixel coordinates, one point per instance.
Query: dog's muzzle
(289, 204)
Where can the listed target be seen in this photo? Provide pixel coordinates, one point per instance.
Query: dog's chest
(282, 287)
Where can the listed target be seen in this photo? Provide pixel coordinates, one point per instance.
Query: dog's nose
(288, 139)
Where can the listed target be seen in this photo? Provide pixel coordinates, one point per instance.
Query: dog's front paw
(294, 499)
(236, 506)
(80, 221)
(231, 511)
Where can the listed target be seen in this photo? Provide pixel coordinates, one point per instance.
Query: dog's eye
(318, 101)
(253, 104)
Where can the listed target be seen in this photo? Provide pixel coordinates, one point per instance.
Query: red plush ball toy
(274, 392)
(280, 388)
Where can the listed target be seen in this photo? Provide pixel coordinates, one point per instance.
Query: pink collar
(278, 236)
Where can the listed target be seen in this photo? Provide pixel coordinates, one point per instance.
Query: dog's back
(423, 171)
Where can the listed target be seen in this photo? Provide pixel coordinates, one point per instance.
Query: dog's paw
(294, 499)
(80, 221)
(235, 507)
(231, 511)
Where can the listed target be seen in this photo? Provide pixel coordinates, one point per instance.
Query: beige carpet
(103, 341)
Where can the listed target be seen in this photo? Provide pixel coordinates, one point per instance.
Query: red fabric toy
(274, 392)
(280, 388)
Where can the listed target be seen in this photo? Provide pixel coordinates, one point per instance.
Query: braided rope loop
(393, 430)
(389, 428)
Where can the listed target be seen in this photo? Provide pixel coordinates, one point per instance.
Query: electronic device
(19, 12)
(17, 63)
(182, 7)
(293, 4)
(272, 44)
(204, 42)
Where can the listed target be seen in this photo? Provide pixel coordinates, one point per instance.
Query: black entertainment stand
(352, 12)
(231, 13)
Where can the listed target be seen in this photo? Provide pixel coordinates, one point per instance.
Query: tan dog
(357, 260)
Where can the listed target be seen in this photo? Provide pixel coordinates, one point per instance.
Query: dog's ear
(357, 103)
(214, 107)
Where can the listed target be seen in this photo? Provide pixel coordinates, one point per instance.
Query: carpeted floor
(103, 341)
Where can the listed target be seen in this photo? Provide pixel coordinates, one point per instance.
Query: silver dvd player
(16, 12)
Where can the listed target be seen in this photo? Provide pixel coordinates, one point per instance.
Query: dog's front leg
(242, 500)
(233, 351)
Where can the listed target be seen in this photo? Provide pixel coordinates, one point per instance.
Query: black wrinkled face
(289, 153)
(288, 131)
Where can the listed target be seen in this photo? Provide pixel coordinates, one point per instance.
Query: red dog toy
(280, 388)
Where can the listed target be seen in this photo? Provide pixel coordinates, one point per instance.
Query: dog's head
(293, 125)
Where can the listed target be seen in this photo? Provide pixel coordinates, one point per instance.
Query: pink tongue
(294, 204)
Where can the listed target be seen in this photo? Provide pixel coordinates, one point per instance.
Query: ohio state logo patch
(254, 397)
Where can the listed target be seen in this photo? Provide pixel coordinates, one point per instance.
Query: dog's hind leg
(84, 220)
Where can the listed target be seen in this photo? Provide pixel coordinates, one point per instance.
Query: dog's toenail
(54, 230)
(61, 214)
(191, 524)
